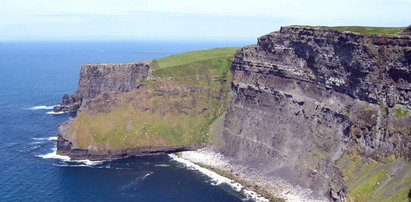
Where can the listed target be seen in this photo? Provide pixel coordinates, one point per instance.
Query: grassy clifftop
(188, 94)
(368, 30)
(364, 29)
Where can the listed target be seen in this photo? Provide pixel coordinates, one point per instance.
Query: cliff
(154, 107)
(321, 109)
(304, 96)
(96, 79)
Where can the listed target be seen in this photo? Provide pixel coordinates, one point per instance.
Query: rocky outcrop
(132, 110)
(305, 95)
(96, 79)
(104, 82)
(406, 31)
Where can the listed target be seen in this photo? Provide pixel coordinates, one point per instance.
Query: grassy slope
(175, 110)
(369, 180)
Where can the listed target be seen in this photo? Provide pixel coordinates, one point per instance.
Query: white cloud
(51, 16)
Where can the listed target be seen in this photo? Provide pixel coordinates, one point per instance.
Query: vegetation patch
(367, 30)
(384, 108)
(176, 109)
(400, 112)
(369, 180)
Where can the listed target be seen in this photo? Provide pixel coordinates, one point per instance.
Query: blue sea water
(38, 74)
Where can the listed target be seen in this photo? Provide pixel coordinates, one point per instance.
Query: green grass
(400, 112)
(194, 57)
(364, 190)
(384, 108)
(366, 30)
(369, 180)
(175, 110)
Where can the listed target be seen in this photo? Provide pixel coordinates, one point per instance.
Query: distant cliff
(319, 108)
(96, 79)
(153, 107)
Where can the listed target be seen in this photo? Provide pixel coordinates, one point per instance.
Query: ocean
(33, 78)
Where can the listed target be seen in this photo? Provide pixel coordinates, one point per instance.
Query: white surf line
(42, 107)
(53, 138)
(148, 174)
(162, 165)
(54, 155)
(218, 179)
(54, 113)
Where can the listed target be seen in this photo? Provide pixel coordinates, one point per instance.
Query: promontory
(323, 110)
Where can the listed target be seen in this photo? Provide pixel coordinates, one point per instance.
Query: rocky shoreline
(251, 179)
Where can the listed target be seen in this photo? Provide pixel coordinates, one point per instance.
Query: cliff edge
(305, 96)
(319, 109)
(96, 79)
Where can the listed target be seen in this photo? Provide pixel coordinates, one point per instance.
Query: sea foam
(54, 155)
(42, 107)
(218, 179)
(53, 138)
(54, 113)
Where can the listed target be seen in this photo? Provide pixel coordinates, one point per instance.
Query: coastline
(252, 184)
(219, 168)
(219, 178)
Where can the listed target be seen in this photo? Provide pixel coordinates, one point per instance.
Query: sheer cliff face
(96, 79)
(304, 96)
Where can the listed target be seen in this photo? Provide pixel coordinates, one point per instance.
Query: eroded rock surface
(96, 79)
(304, 96)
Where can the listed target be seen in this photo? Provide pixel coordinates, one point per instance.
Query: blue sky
(185, 19)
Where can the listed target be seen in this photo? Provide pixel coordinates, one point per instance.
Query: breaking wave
(162, 165)
(42, 107)
(53, 138)
(54, 113)
(218, 179)
(66, 159)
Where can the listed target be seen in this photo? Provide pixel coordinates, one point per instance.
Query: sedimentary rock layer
(304, 96)
(96, 79)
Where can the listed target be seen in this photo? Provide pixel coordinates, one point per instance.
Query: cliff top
(357, 29)
(193, 57)
(117, 64)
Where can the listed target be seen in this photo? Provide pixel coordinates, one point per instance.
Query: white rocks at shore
(251, 179)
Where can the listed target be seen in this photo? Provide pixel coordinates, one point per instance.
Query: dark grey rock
(406, 31)
(304, 96)
(96, 79)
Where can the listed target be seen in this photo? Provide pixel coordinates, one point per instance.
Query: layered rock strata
(304, 96)
(96, 79)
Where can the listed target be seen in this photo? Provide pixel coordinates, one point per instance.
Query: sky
(22, 20)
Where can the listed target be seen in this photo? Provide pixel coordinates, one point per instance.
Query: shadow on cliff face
(351, 96)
